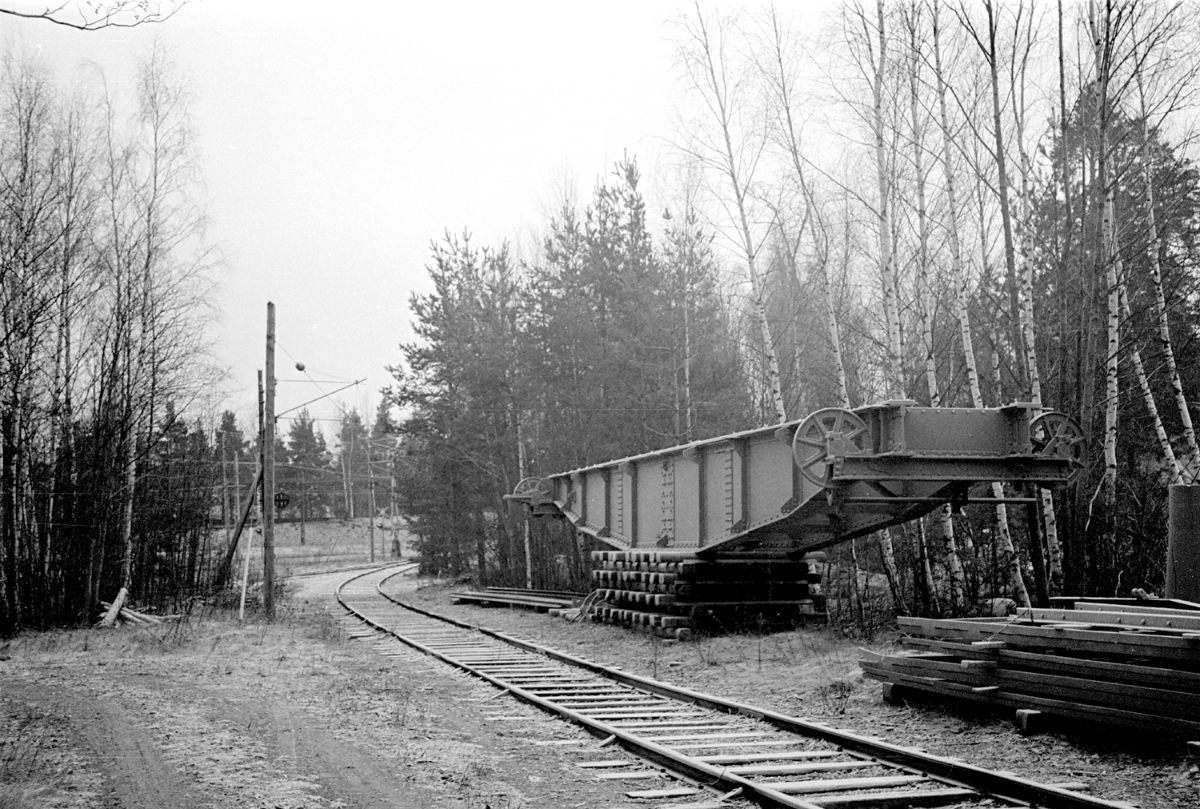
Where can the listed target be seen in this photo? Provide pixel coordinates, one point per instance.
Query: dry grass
(211, 631)
(328, 545)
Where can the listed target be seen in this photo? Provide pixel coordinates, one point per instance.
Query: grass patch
(328, 545)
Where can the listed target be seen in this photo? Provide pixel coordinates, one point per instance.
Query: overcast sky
(336, 146)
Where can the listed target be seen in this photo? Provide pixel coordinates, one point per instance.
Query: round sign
(281, 499)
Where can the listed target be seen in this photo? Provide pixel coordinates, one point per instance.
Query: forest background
(960, 204)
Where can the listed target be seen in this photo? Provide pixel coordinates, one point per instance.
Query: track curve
(732, 748)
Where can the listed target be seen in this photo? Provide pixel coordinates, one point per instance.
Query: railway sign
(281, 500)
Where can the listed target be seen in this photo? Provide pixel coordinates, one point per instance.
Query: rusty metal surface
(803, 485)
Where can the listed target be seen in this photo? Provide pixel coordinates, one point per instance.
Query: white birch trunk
(1164, 329)
(835, 340)
(1029, 338)
(887, 270)
(1160, 432)
(1111, 384)
(1009, 558)
(774, 380)
(887, 267)
(689, 412)
(887, 554)
(1025, 291)
(924, 288)
(1160, 299)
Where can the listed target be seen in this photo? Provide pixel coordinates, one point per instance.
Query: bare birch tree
(733, 155)
(155, 298)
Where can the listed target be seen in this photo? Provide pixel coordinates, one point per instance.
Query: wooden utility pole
(370, 501)
(237, 474)
(268, 489)
(226, 510)
(521, 473)
(392, 501)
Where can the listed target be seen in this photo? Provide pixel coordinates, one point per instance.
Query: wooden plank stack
(671, 593)
(537, 600)
(1124, 664)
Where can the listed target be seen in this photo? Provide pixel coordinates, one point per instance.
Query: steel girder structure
(804, 485)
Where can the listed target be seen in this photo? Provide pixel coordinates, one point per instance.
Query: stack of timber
(538, 600)
(125, 615)
(672, 593)
(1122, 664)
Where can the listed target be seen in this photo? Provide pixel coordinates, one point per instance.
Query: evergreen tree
(353, 451)
(308, 476)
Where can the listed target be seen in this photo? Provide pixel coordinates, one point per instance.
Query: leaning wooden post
(371, 502)
(1183, 542)
(223, 569)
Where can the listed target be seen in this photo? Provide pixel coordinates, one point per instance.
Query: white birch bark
(1009, 559)
(831, 323)
(689, 413)
(1160, 432)
(1160, 300)
(887, 265)
(1111, 381)
(1029, 332)
(927, 567)
(1104, 24)
(887, 268)
(887, 554)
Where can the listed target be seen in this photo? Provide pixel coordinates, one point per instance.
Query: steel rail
(959, 781)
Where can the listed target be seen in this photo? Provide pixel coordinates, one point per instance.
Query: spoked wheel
(1057, 435)
(533, 490)
(831, 427)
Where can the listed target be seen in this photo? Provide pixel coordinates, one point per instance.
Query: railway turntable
(721, 527)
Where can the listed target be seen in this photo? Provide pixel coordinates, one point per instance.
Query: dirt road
(292, 715)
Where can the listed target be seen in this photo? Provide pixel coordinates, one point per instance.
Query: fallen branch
(114, 609)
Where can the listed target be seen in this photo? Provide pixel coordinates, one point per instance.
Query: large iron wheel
(1057, 435)
(533, 490)
(830, 427)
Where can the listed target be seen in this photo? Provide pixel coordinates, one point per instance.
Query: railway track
(711, 747)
